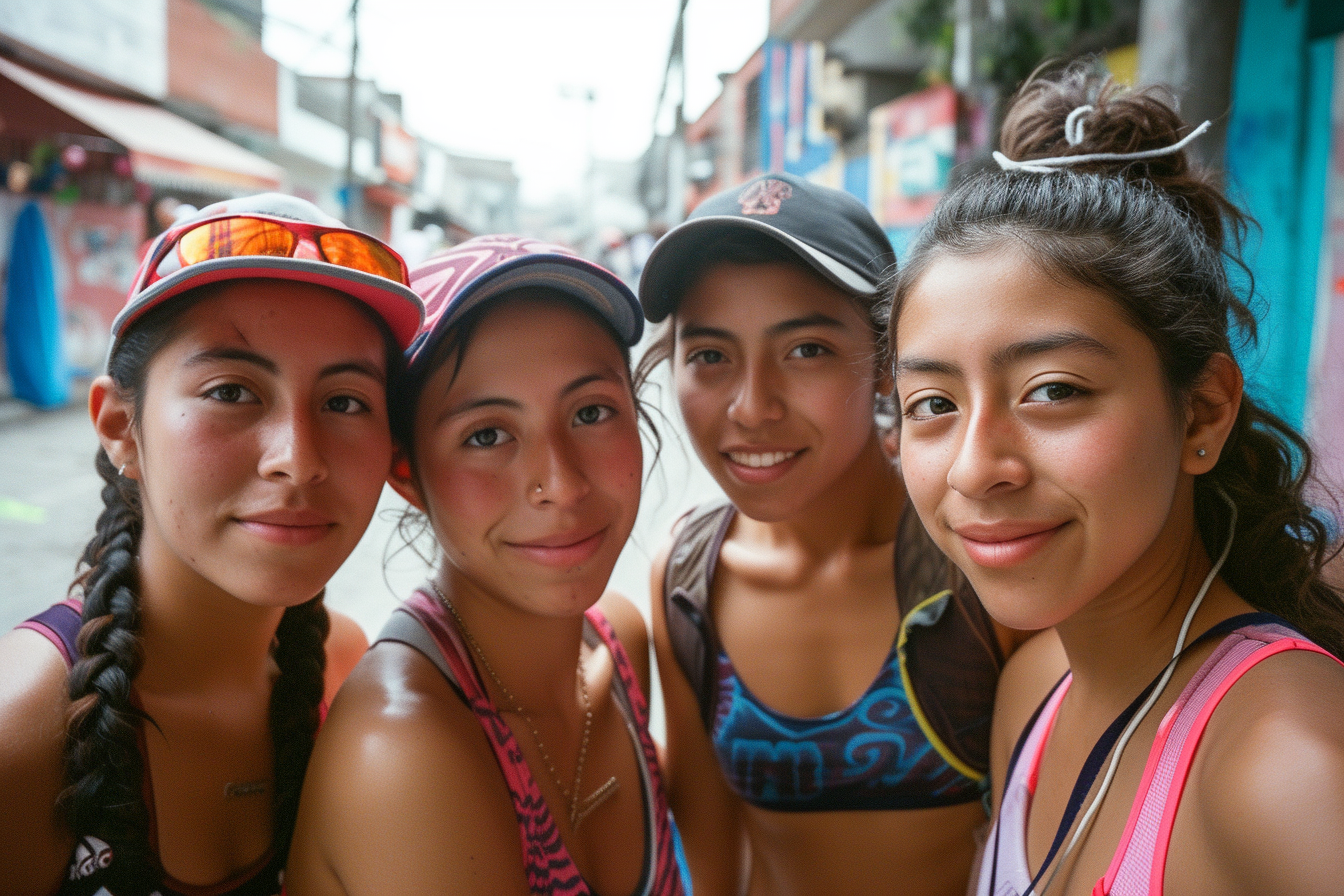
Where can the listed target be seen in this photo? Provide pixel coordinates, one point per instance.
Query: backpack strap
(686, 584)
(950, 652)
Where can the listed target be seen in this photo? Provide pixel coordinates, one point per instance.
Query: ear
(114, 420)
(1214, 403)
(403, 482)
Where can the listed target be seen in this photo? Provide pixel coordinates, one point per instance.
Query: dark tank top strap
(60, 624)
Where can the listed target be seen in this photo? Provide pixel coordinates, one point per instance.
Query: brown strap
(686, 584)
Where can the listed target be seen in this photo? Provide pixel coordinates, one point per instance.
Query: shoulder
(658, 570)
(1033, 669)
(34, 846)
(345, 644)
(402, 782)
(397, 733)
(631, 630)
(1028, 675)
(1269, 776)
(33, 694)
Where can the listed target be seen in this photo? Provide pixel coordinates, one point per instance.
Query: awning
(165, 149)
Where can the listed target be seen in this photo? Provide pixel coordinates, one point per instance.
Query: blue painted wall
(1277, 153)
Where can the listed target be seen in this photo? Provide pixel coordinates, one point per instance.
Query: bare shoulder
(34, 845)
(631, 630)
(1269, 778)
(1033, 669)
(403, 786)
(346, 643)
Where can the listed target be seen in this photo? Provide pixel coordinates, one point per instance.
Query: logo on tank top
(91, 855)
(764, 197)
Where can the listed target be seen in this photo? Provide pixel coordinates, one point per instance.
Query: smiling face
(775, 376)
(262, 442)
(528, 458)
(1038, 438)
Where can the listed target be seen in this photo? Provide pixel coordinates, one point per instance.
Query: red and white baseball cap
(257, 237)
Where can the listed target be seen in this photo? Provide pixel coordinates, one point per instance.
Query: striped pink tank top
(1140, 861)
(550, 868)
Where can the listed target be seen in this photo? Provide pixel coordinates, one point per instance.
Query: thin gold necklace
(578, 811)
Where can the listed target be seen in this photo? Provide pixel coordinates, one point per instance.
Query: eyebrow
(699, 331)
(1011, 354)
(245, 356)
(491, 401)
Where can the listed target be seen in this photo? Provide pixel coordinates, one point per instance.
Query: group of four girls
(1076, 455)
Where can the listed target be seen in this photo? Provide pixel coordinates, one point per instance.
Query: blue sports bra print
(916, 738)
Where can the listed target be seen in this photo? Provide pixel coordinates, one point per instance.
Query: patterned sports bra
(872, 755)
(916, 738)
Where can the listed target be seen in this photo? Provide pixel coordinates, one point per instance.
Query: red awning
(164, 148)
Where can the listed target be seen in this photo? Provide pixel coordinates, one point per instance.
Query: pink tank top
(550, 868)
(1140, 861)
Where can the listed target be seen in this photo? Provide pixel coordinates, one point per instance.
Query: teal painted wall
(1277, 154)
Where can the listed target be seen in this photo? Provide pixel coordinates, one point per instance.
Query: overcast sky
(505, 78)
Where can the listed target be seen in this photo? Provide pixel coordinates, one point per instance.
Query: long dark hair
(1153, 235)
(104, 768)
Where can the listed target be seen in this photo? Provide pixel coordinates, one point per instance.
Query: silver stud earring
(122, 471)
(1200, 452)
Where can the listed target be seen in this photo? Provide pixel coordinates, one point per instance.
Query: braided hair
(1153, 235)
(104, 769)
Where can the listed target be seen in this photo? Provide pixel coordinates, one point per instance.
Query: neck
(197, 638)
(1123, 638)
(535, 657)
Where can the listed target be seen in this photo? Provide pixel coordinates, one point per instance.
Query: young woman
(828, 679)
(157, 724)
(494, 739)
(1075, 436)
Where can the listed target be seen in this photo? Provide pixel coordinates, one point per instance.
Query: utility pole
(1191, 46)
(676, 150)
(351, 87)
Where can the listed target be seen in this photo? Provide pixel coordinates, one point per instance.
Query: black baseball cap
(830, 230)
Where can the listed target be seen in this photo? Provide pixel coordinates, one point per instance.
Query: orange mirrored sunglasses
(243, 236)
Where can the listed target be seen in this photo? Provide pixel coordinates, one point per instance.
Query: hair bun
(1104, 116)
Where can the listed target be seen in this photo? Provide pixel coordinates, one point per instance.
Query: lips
(1006, 544)
(758, 466)
(561, 551)
(288, 527)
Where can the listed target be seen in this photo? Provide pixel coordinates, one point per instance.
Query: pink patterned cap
(471, 273)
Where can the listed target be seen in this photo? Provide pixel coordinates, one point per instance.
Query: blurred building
(109, 111)
(846, 93)
(884, 99)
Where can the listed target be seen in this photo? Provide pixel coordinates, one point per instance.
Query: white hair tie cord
(1073, 125)
(1054, 163)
